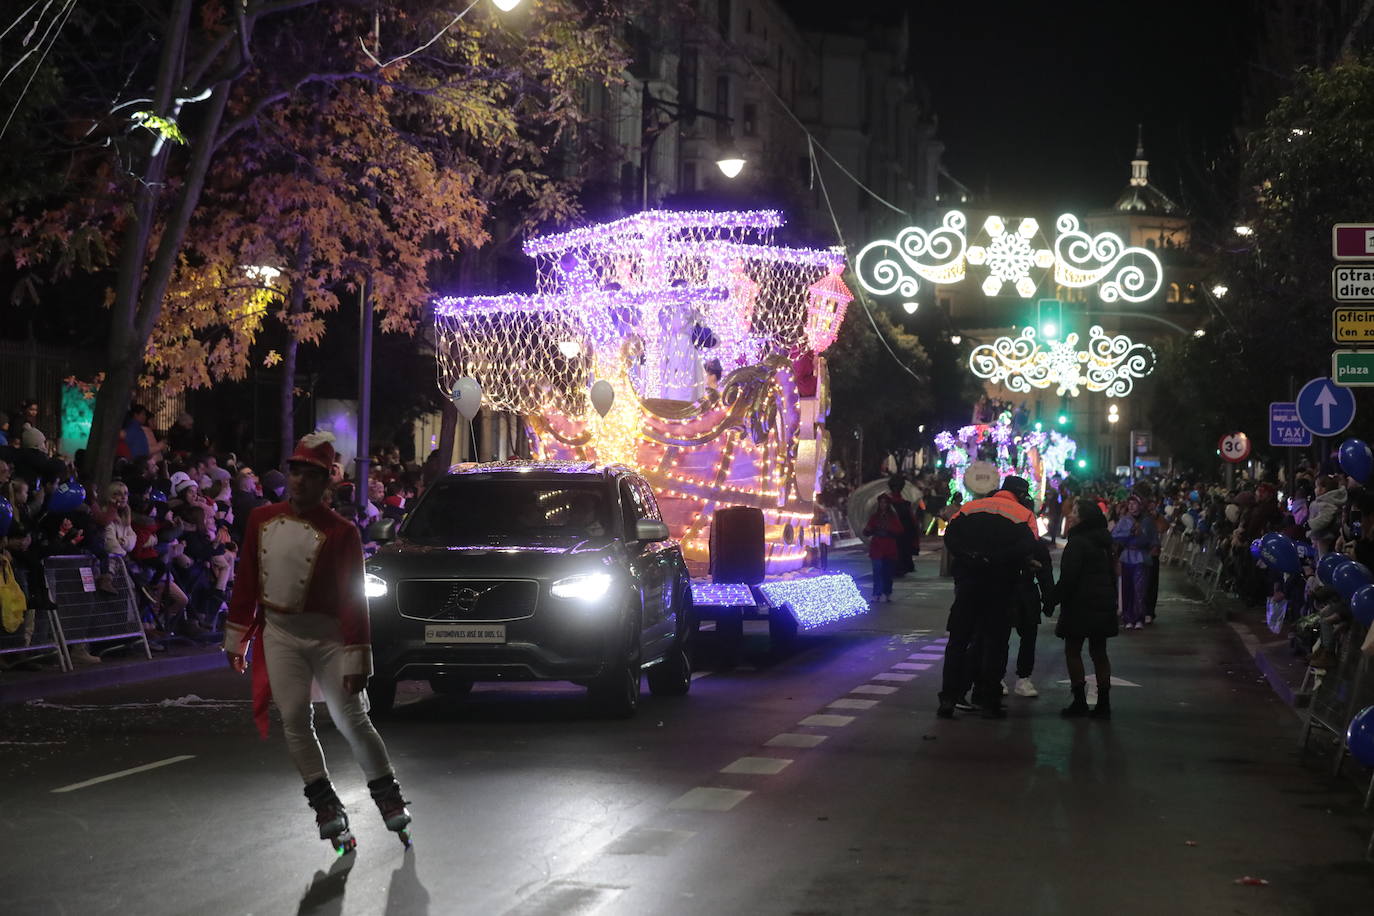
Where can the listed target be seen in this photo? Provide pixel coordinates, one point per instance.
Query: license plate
(490, 633)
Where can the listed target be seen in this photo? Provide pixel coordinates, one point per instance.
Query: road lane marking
(852, 704)
(927, 656)
(757, 766)
(912, 666)
(708, 798)
(875, 689)
(122, 773)
(889, 676)
(647, 841)
(792, 739)
(827, 721)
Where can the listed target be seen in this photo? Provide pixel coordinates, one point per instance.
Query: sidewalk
(124, 667)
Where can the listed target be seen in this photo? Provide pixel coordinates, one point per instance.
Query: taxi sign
(1353, 325)
(1352, 283)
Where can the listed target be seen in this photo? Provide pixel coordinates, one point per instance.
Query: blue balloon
(66, 497)
(1362, 604)
(1327, 565)
(1356, 459)
(6, 516)
(1350, 577)
(1359, 737)
(1255, 547)
(1279, 552)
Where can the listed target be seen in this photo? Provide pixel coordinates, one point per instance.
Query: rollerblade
(330, 816)
(386, 792)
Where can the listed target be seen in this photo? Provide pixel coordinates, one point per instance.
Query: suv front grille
(467, 599)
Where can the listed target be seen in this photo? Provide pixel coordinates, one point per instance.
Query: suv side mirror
(648, 529)
(382, 530)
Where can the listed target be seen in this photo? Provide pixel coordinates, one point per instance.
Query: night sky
(1038, 101)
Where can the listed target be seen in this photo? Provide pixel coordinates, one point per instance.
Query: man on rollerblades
(298, 601)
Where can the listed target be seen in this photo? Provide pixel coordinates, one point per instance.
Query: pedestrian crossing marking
(709, 798)
(852, 704)
(792, 739)
(911, 666)
(827, 721)
(889, 676)
(877, 689)
(757, 766)
(1116, 682)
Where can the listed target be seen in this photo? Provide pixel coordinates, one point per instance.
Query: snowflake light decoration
(1010, 257)
(1110, 364)
(892, 267)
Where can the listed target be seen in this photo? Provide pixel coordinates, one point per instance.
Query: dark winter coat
(1086, 591)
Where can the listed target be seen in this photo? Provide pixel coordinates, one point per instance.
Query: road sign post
(1324, 407)
(1285, 429)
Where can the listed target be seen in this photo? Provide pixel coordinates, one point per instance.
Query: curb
(56, 684)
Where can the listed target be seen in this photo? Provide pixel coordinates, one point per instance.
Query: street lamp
(911, 307)
(1200, 332)
(1220, 290)
(955, 339)
(1244, 231)
(1112, 415)
(505, 6)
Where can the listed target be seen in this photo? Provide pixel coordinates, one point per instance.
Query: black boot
(1079, 706)
(945, 709)
(386, 792)
(330, 815)
(1103, 709)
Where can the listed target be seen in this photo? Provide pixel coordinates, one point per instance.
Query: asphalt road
(735, 799)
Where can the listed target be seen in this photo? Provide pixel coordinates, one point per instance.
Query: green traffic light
(1063, 419)
(1082, 462)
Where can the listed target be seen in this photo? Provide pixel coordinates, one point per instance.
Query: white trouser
(305, 647)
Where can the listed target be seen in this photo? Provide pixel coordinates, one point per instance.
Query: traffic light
(1063, 419)
(1050, 320)
(1082, 463)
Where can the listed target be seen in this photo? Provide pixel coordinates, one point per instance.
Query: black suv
(532, 571)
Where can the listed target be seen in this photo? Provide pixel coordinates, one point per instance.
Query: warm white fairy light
(1111, 363)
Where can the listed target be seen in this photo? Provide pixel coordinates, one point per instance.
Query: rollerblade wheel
(344, 843)
(404, 836)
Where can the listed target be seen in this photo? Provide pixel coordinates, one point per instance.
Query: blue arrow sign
(1324, 407)
(1285, 429)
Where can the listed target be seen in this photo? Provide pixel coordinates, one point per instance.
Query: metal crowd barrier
(36, 636)
(85, 614)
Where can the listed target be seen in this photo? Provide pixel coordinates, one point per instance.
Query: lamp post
(659, 115)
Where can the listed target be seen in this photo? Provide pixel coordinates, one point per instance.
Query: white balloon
(603, 396)
(467, 397)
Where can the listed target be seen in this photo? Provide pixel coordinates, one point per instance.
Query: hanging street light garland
(1110, 364)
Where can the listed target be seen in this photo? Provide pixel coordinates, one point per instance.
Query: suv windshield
(473, 510)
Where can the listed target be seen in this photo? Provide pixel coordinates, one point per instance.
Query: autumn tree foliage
(324, 140)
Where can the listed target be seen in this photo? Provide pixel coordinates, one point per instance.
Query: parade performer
(298, 600)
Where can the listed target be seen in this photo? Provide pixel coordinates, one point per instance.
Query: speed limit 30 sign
(1234, 447)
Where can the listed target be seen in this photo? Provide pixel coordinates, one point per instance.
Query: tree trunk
(295, 305)
(141, 283)
(448, 432)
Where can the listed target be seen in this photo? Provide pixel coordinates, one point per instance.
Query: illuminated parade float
(685, 345)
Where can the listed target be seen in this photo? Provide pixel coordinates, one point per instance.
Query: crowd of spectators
(172, 518)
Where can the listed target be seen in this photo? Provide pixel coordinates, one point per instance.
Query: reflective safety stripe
(1006, 508)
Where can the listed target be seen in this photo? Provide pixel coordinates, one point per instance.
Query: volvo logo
(463, 599)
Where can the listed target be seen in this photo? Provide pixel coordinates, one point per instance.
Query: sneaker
(1024, 688)
(1004, 688)
(964, 705)
(1149, 620)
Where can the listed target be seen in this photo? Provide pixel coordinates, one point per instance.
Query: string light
(642, 303)
(816, 600)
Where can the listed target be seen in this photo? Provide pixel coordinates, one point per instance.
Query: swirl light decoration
(942, 256)
(1082, 260)
(885, 266)
(1110, 364)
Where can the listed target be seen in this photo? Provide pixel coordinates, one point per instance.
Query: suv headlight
(374, 586)
(587, 587)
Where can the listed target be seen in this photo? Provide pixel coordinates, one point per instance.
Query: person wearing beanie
(299, 601)
(273, 486)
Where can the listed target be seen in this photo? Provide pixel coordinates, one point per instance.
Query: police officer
(990, 541)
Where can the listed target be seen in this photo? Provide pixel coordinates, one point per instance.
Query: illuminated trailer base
(807, 598)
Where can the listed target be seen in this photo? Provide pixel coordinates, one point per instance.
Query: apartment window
(723, 17)
(688, 77)
(750, 119)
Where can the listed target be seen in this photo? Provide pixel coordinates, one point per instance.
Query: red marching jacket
(297, 564)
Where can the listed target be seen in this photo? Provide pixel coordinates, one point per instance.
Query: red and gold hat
(315, 449)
